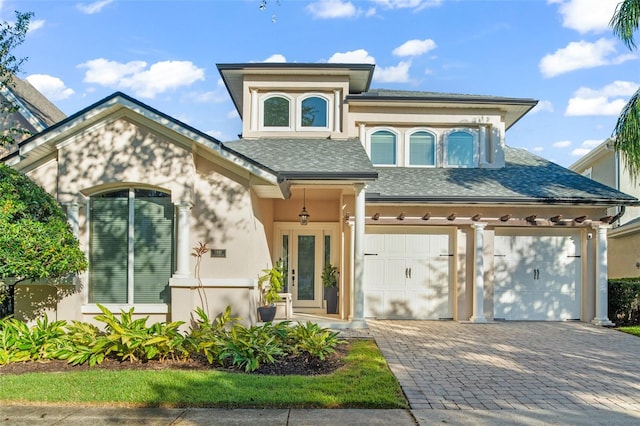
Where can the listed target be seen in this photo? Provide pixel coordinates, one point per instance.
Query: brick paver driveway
(512, 365)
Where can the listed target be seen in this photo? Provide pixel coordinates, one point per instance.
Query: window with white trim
(383, 148)
(460, 149)
(276, 111)
(314, 112)
(421, 150)
(131, 247)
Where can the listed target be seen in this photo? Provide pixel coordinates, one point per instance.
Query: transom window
(131, 247)
(422, 149)
(383, 148)
(314, 112)
(460, 149)
(276, 112)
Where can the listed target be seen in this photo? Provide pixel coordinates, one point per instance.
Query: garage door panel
(416, 280)
(536, 277)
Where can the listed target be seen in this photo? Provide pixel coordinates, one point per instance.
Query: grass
(363, 382)
(632, 329)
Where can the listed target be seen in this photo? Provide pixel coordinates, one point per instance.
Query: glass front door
(305, 268)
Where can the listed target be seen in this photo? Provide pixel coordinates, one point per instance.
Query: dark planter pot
(267, 313)
(331, 294)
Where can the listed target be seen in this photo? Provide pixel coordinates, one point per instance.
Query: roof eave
(377, 198)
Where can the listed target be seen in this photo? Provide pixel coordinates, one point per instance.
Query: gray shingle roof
(526, 178)
(308, 158)
(413, 94)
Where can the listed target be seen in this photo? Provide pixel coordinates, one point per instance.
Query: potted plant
(330, 283)
(270, 284)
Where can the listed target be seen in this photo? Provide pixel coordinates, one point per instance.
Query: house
(414, 196)
(604, 165)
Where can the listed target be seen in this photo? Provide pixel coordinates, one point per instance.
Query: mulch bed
(298, 365)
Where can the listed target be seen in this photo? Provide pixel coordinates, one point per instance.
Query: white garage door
(408, 276)
(537, 277)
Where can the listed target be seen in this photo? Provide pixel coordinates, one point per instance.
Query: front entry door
(306, 250)
(305, 268)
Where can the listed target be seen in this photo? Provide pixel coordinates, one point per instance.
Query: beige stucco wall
(121, 152)
(624, 254)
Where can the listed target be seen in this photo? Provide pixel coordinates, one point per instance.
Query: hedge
(624, 301)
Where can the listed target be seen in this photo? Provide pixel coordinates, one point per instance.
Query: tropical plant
(271, 283)
(626, 134)
(330, 276)
(314, 340)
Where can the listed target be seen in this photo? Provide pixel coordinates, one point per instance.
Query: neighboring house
(604, 165)
(414, 196)
(31, 111)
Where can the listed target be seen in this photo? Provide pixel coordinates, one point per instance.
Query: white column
(336, 110)
(362, 134)
(73, 217)
(478, 275)
(358, 287)
(254, 110)
(601, 281)
(183, 250)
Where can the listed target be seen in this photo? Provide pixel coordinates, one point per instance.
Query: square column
(602, 279)
(478, 274)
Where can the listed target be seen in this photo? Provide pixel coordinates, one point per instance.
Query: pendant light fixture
(304, 215)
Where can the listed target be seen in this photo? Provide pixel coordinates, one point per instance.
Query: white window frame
(270, 95)
(298, 118)
(407, 147)
(476, 147)
(142, 308)
(373, 130)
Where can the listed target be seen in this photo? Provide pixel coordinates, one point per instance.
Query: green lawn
(364, 382)
(632, 329)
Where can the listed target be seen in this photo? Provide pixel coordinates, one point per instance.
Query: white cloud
(579, 152)
(561, 144)
(144, 82)
(537, 149)
(542, 106)
(591, 143)
(215, 133)
(331, 9)
(414, 47)
(276, 58)
(94, 7)
(232, 114)
(586, 15)
(608, 100)
(51, 87)
(408, 4)
(393, 74)
(359, 56)
(35, 25)
(579, 55)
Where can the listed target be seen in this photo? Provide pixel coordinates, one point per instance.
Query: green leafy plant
(248, 348)
(316, 341)
(271, 283)
(83, 343)
(10, 331)
(330, 276)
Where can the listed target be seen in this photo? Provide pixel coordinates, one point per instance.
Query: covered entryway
(537, 277)
(408, 273)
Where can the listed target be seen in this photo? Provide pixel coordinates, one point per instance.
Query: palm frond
(626, 135)
(625, 21)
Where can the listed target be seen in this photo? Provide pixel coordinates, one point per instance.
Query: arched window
(276, 112)
(383, 148)
(422, 149)
(131, 247)
(460, 149)
(314, 112)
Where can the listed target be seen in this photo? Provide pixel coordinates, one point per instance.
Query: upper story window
(276, 112)
(383, 148)
(421, 149)
(461, 149)
(314, 112)
(308, 112)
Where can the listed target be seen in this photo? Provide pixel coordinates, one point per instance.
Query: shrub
(624, 301)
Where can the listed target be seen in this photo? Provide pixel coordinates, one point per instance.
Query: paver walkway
(512, 365)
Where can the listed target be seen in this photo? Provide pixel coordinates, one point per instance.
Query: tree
(626, 133)
(36, 241)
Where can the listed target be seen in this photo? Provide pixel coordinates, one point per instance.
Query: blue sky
(164, 53)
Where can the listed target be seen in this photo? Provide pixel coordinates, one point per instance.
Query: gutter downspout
(619, 215)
